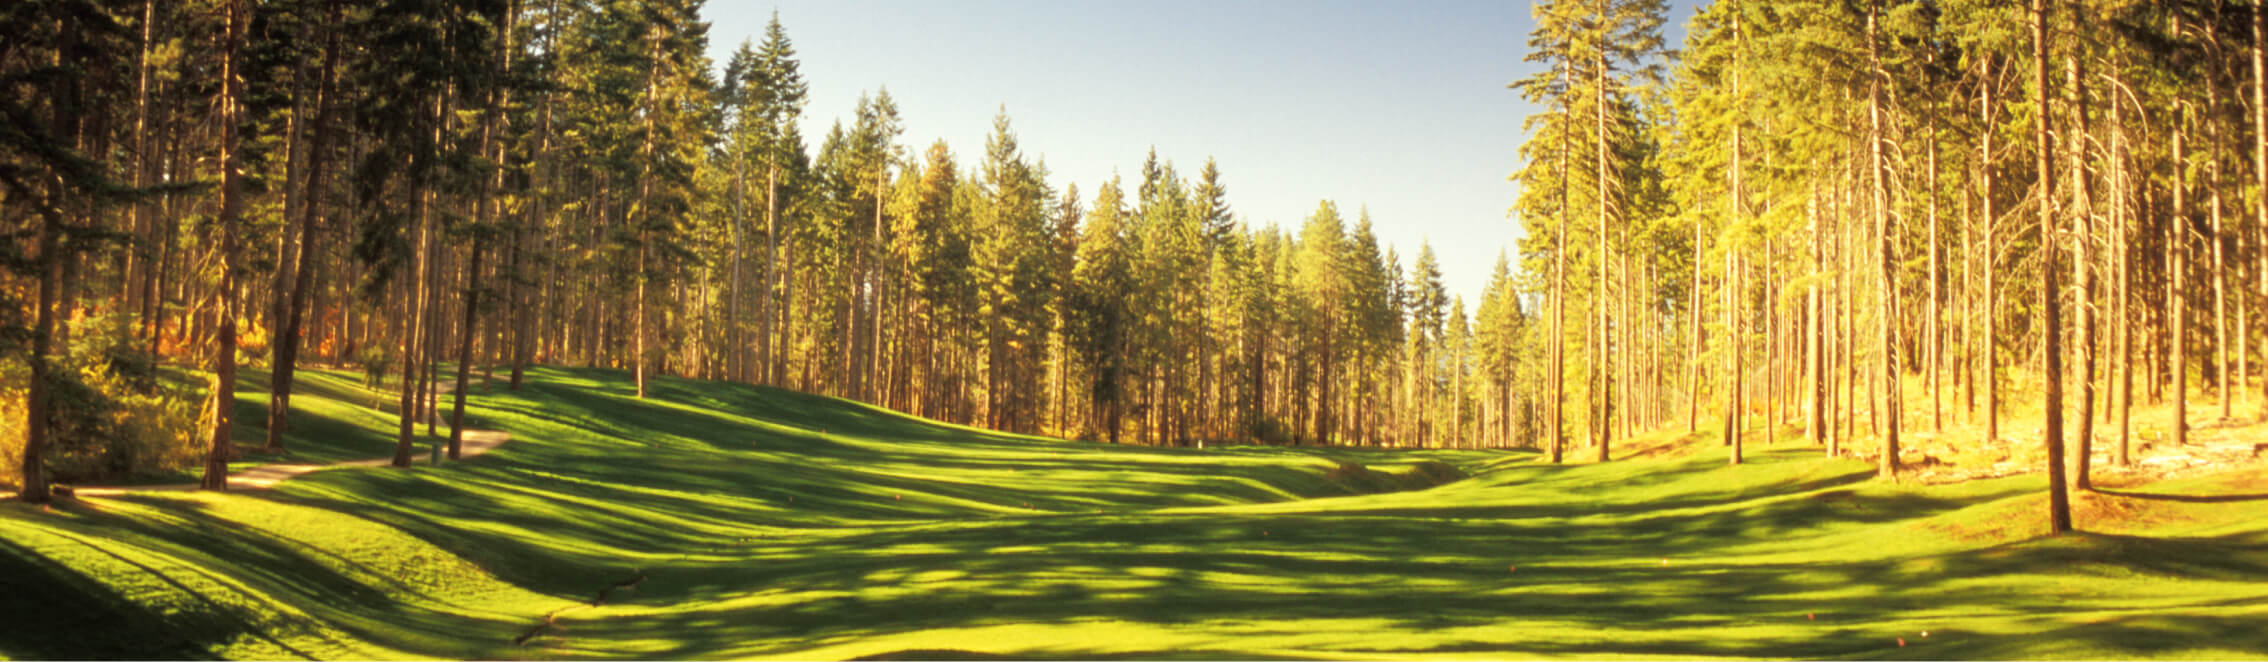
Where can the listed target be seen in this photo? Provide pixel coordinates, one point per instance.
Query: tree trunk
(1693, 350)
(2121, 288)
(133, 294)
(2213, 147)
(2059, 505)
(1605, 389)
(465, 338)
(1989, 262)
(429, 385)
(34, 488)
(2177, 262)
(413, 330)
(1935, 347)
(1771, 350)
(2259, 54)
(1559, 275)
(287, 337)
(1816, 339)
(874, 363)
(1734, 212)
(525, 332)
(1732, 353)
(1880, 208)
(498, 98)
(777, 279)
(2082, 300)
(231, 208)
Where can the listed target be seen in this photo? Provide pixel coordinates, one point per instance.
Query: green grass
(767, 523)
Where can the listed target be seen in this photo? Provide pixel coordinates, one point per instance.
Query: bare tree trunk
(465, 339)
(2213, 147)
(1693, 350)
(1771, 349)
(1735, 212)
(2083, 299)
(231, 208)
(287, 336)
(414, 330)
(139, 224)
(2121, 288)
(874, 363)
(1889, 303)
(1605, 384)
(736, 356)
(2259, 162)
(1935, 347)
(2177, 262)
(499, 97)
(1989, 263)
(429, 385)
(1815, 340)
(1846, 296)
(2059, 505)
(776, 279)
(1732, 354)
(645, 218)
(34, 488)
(638, 319)
(524, 333)
(1963, 365)
(1559, 277)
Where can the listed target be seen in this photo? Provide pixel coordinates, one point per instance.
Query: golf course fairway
(716, 520)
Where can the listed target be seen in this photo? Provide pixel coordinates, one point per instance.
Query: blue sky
(1400, 107)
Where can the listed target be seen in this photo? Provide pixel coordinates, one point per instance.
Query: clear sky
(1400, 107)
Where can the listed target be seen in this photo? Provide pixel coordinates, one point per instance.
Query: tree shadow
(774, 523)
(51, 610)
(2187, 498)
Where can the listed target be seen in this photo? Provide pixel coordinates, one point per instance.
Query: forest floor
(1951, 444)
(727, 521)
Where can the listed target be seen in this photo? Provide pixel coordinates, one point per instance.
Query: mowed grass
(727, 521)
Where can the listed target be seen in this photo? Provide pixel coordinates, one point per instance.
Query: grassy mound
(714, 521)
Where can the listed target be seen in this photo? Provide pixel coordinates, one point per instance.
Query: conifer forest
(1874, 309)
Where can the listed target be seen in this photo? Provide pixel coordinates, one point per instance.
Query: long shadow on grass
(764, 456)
(2075, 624)
(50, 610)
(292, 572)
(762, 535)
(1422, 574)
(2190, 498)
(1681, 607)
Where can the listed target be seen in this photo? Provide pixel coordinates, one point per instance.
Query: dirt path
(476, 442)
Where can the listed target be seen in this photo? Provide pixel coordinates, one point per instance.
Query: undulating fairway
(727, 521)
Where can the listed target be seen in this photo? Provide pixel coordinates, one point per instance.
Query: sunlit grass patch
(716, 520)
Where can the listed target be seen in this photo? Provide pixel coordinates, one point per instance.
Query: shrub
(11, 434)
(1268, 430)
(107, 417)
(375, 362)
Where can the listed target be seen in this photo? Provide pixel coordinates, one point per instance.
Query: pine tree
(1099, 311)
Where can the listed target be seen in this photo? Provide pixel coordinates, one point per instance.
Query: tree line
(431, 187)
(1827, 208)
(1810, 214)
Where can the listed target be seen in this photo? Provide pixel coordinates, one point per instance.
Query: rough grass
(726, 521)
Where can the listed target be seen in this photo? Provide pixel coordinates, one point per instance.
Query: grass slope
(726, 521)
